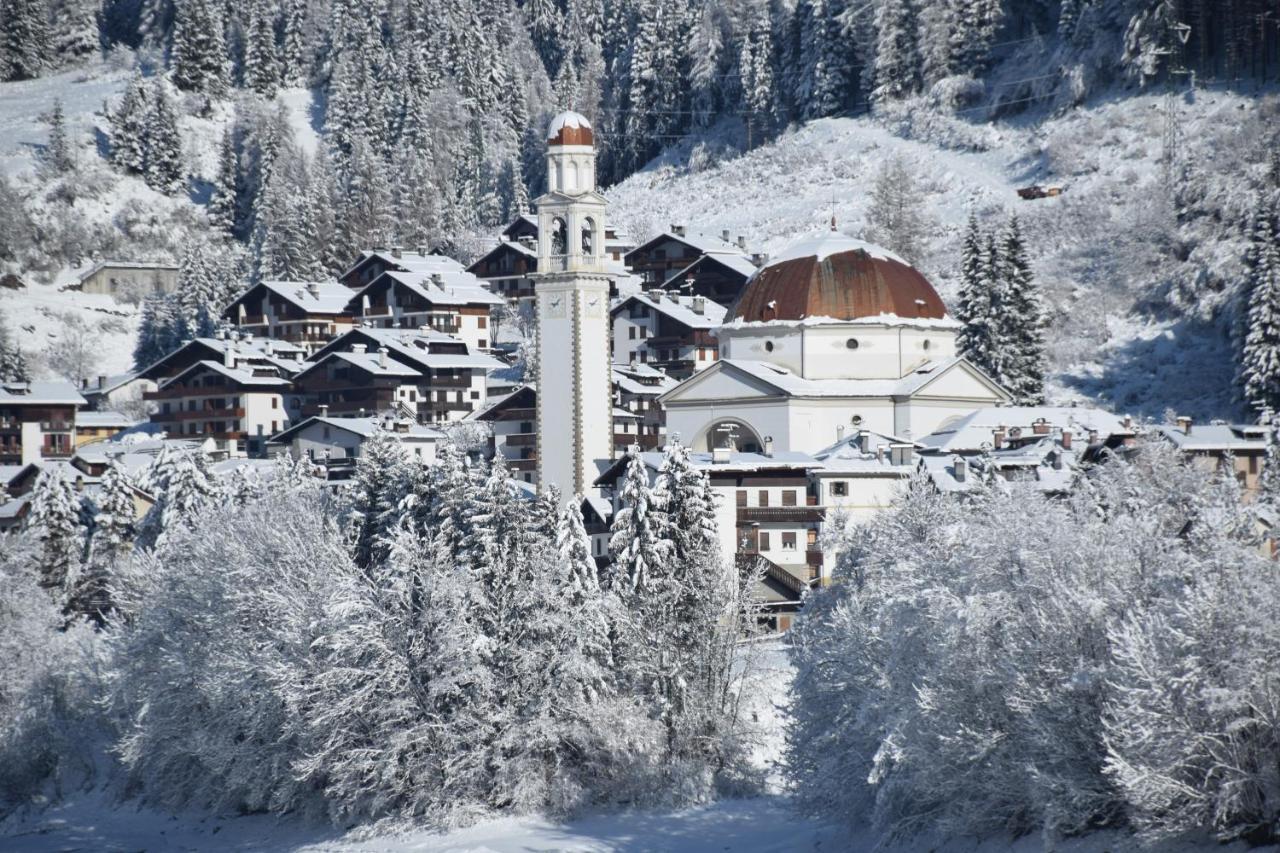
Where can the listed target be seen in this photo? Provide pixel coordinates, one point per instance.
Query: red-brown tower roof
(570, 128)
(839, 277)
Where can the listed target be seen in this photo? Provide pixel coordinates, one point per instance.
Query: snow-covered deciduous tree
(1085, 652)
(895, 216)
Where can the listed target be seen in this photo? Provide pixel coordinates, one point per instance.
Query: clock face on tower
(595, 308)
(555, 306)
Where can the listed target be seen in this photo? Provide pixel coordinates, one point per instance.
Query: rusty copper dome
(570, 128)
(839, 277)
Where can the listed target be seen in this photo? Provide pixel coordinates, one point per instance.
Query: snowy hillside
(1131, 292)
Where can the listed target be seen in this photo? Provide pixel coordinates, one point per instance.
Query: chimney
(1127, 422)
(324, 410)
(1057, 460)
(724, 235)
(997, 437)
(382, 357)
(839, 432)
(901, 454)
(437, 280)
(229, 357)
(397, 251)
(1184, 424)
(313, 289)
(84, 384)
(102, 382)
(677, 230)
(359, 349)
(720, 456)
(768, 446)
(1093, 436)
(880, 454)
(699, 305)
(422, 250)
(1040, 427)
(1066, 439)
(742, 242)
(960, 466)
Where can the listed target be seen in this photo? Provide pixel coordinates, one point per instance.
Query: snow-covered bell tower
(575, 416)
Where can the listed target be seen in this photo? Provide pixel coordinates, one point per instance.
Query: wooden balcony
(253, 320)
(378, 311)
(795, 514)
(522, 439)
(202, 414)
(521, 464)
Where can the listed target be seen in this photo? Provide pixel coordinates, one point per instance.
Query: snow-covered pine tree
(992, 282)
(974, 306)
(1269, 480)
(295, 52)
(284, 247)
(111, 539)
(55, 519)
(58, 156)
(222, 201)
(163, 170)
(544, 20)
(129, 122)
(706, 60)
(375, 493)
(975, 24)
(198, 53)
(26, 50)
(897, 65)
(1023, 320)
(589, 610)
(760, 100)
(73, 29)
(637, 538)
(149, 346)
(1260, 358)
(261, 56)
(13, 364)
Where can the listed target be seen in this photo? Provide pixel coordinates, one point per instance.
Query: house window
(631, 332)
(644, 331)
(742, 497)
(811, 538)
(475, 395)
(326, 432)
(788, 541)
(483, 344)
(275, 402)
(274, 427)
(764, 540)
(484, 323)
(788, 497)
(764, 497)
(840, 488)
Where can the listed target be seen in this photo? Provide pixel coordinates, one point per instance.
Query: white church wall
(876, 352)
(815, 424)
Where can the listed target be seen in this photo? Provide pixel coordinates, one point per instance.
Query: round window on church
(852, 343)
(768, 346)
(856, 420)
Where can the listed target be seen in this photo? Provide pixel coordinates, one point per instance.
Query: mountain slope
(1142, 298)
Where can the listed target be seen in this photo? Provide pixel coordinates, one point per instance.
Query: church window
(588, 236)
(852, 343)
(558, 237)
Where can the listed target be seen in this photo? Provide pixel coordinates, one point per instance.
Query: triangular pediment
(721, 381)
(962, 380)
(555, 197)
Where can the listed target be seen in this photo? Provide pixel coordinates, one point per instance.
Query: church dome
(836, 276)
(570, 128)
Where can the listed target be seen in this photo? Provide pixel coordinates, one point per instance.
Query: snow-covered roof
(735, 260)
(974, 430)
(623, 379)
(568, 118)
(793, 385)
(873, 320)
(363, 427)
(111, 383)
(680, 309)
(239, 375)
(315, 297)
(126, 265)
(737, 462)
(41, 392)
(449, 287)
(1216, 437)
(827, 243)
(103, 420)
(372, 363)
(1033, 464)
(408, 261)
(703, 242)
(860, 453)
